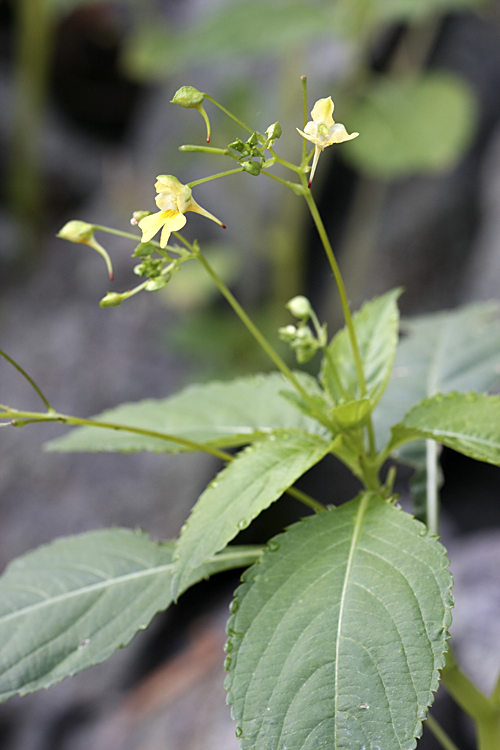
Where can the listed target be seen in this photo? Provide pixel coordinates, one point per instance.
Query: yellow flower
(323, 131)
(173, 199)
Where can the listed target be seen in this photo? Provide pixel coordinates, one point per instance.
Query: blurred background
(85, 127)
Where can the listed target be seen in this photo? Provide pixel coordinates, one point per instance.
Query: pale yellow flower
(173, 199)
(323, 131)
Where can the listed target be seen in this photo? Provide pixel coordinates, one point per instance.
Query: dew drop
(234, 606)
(228, 646)
(242, 524)
(238, 732)
(84, 643)
(364, 706)
(227, 663)
(273, 546)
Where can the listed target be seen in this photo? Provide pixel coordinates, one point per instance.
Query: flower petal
(307, 136)
(322, 111)
(151, 224)
(338, 134)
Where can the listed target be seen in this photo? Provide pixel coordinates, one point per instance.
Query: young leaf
(256, 478)
(218, 414)
(69, 605)
(376, 326)
(339, 632)
(441, 353)
(467, 422)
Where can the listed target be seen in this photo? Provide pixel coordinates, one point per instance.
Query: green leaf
(69, 605)
(376, 326)
(415, 124)
(394, 10)
(441, 353)
(256, 478)
(248, 28)
(467, 422)
(339, 632)
(218, 414)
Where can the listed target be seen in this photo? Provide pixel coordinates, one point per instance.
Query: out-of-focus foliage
(413, 124)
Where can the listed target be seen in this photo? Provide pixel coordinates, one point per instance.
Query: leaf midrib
(356, 531)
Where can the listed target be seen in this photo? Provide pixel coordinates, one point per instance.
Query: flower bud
(137, 216)
(252, 167)
(188, 97)
(157, 283)
(287, 333)
(77, 231)
(112, 299)
(299, 306)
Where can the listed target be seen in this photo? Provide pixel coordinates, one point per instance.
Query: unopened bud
(77, 231)
(274, 131)
(188, 97)
(157, 283)
(252, 167)
(138, 215)
(299, 306)
(112, 299)
(287, 333)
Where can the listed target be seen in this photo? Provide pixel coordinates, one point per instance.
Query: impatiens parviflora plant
(338, 633)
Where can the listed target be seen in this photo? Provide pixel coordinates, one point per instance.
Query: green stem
(228, 113)
(18, 417)
(193, 149)
(119, 233)
(483, 710)
(340, 286)
(215, 177)
(439, 733)
(284, 162)
(320, 227)
(303, 80)
(296, 187)
(306, 499)
(27, 377)
(262, 341)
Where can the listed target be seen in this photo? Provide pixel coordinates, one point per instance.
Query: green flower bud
(158, 283)
(274, 131)
(252, 167)
(299, 306)
(287, 333)
(143, 250)
(188, 97)
(112, 299)
(77, 231)
(137, 216)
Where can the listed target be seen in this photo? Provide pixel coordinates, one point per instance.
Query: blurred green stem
(35, 26)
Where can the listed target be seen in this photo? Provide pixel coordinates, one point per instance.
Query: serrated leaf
(69, 605)
(414, 124)
(376, 326)
(339, 632)
(466, 422)
(218, 414)
(256, 478)
(456, 350)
